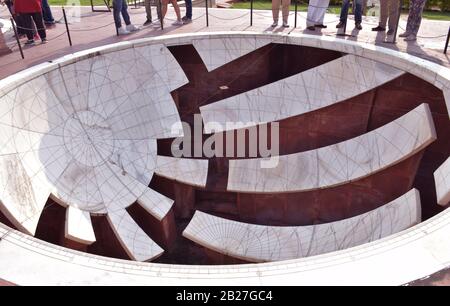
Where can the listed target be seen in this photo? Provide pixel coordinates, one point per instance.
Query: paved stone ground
(96, 29)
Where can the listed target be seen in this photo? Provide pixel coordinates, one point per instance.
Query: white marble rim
(427, 234)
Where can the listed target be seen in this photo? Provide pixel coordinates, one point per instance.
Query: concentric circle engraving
(88, 138)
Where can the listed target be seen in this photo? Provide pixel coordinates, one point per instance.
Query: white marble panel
(216, 52)
(260, 243)
(155, 203)
(135, 242)
(22, 198)
(130, 89)
(310, 90)
(189, 171)
(79, 226)
(339, 163)
(442, 182)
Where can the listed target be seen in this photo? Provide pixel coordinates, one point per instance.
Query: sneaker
(122, 31)
(29, 42)
(390, 32)
(285, 25)
(311, 28)
(404, 34)
(340, 25)
(44, 41)
(411, 37)
(147, 23)
(178, 23)
(186, 20)
(274, 24)
(358, 26)
(320, 26)
(132, 28)
(379, 29)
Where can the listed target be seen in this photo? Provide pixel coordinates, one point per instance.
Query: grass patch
(82, 2)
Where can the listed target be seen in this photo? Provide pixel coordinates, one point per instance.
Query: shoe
(285, 25)
(274, 24)
(340, 25)
(178, 23)
(404, 34)
(50, 22)
(147, 23)
(132, 28)
(156, 23)
(44, 41)
(390, 32)
(379, 29)
(311, 28)
(320, 26)
(187, 20)
(411, 37)
(358, 26)
(29, 42)
(122, 31)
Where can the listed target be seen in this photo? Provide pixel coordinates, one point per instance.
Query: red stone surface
(4, 283)
(162, 232)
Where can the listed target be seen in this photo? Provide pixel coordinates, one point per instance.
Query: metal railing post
(251, 13)
(296, 10)
(207, 13)
(17, 37)
(446, 43)
(67, 26)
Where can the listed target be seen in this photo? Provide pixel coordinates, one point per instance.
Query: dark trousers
(188, 8)
(28, 19)
(47, 12)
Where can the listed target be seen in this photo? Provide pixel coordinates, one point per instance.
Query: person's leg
(321, 12)
(47, 12)
(358, 11)
(39, 22)
(384, 12)
(117, 8)
(158, 8)
(188, 9)
(126, 17)
(394, 6)
(176, 7)
(285, 8)
(148, 9)
(276, 10)
(312, 13)
(416, 16)
(27, 23)
(164, 5)
(344, 11)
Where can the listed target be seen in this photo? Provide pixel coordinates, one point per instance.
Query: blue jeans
(120, 6)
(47, 12)
(188, 8)
(358, 12)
